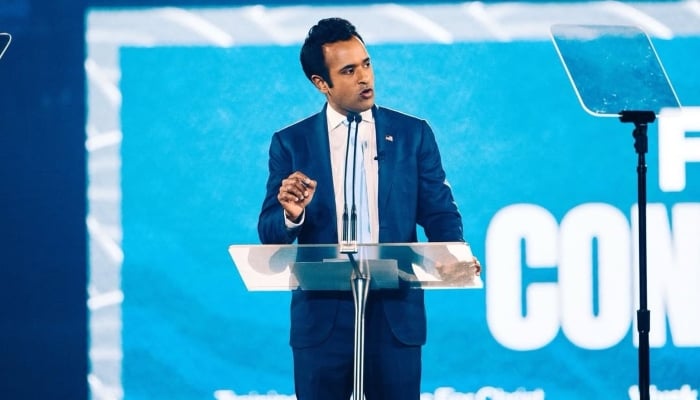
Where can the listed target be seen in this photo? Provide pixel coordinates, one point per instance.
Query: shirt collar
(367, 116)
(335, 119)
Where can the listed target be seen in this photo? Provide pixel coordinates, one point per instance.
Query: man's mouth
(367, 93)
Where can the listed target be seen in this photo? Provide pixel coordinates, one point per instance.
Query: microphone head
(353, 116)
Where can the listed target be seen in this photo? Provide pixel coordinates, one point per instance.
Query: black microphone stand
(641, 119)
(360, 279)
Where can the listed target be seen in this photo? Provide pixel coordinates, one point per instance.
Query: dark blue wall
(43, 335)
(43, 252)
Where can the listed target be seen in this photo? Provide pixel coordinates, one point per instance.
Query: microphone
(349, 237)
(353, 212)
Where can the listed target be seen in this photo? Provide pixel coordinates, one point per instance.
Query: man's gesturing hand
(296, 192)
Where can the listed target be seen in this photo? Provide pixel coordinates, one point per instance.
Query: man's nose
(363, 75)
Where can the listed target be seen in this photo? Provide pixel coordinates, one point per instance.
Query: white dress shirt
(367, 141)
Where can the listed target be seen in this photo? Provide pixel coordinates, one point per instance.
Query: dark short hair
(329, 30)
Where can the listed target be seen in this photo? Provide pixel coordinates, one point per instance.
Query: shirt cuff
(291, 224)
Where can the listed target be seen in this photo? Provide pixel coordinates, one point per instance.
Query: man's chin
(365, 105)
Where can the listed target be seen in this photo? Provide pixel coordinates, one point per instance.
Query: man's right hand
(296, 192)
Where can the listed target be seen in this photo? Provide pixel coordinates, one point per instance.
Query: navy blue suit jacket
(412, 191)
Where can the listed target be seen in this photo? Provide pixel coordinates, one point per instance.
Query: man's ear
(320, 83)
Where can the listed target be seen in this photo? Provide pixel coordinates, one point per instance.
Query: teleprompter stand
(616, 72)
(371, 267)
(641, 119)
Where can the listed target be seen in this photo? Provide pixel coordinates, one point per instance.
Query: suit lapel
(386, 151)
(318, 146)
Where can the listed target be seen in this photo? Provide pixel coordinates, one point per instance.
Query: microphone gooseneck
(353, 212)
(345, 183)
(350, 236)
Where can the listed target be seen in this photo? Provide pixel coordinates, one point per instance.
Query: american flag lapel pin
(389, 138)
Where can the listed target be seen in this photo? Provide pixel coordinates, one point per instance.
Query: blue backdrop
(547, 193)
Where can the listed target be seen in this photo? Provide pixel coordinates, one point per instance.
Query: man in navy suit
(405, 186)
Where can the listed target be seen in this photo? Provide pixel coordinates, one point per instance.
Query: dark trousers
(392, 369)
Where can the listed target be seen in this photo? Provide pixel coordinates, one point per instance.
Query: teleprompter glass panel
(613, 69)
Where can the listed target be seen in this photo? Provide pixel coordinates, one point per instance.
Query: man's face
(352, 76)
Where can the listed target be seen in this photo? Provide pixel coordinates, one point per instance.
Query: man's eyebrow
(354, 65)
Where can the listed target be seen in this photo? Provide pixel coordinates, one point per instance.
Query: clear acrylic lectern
(616, 72)
(372, 267)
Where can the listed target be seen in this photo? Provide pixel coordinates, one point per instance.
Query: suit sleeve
(271, 225)
(437, 210)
